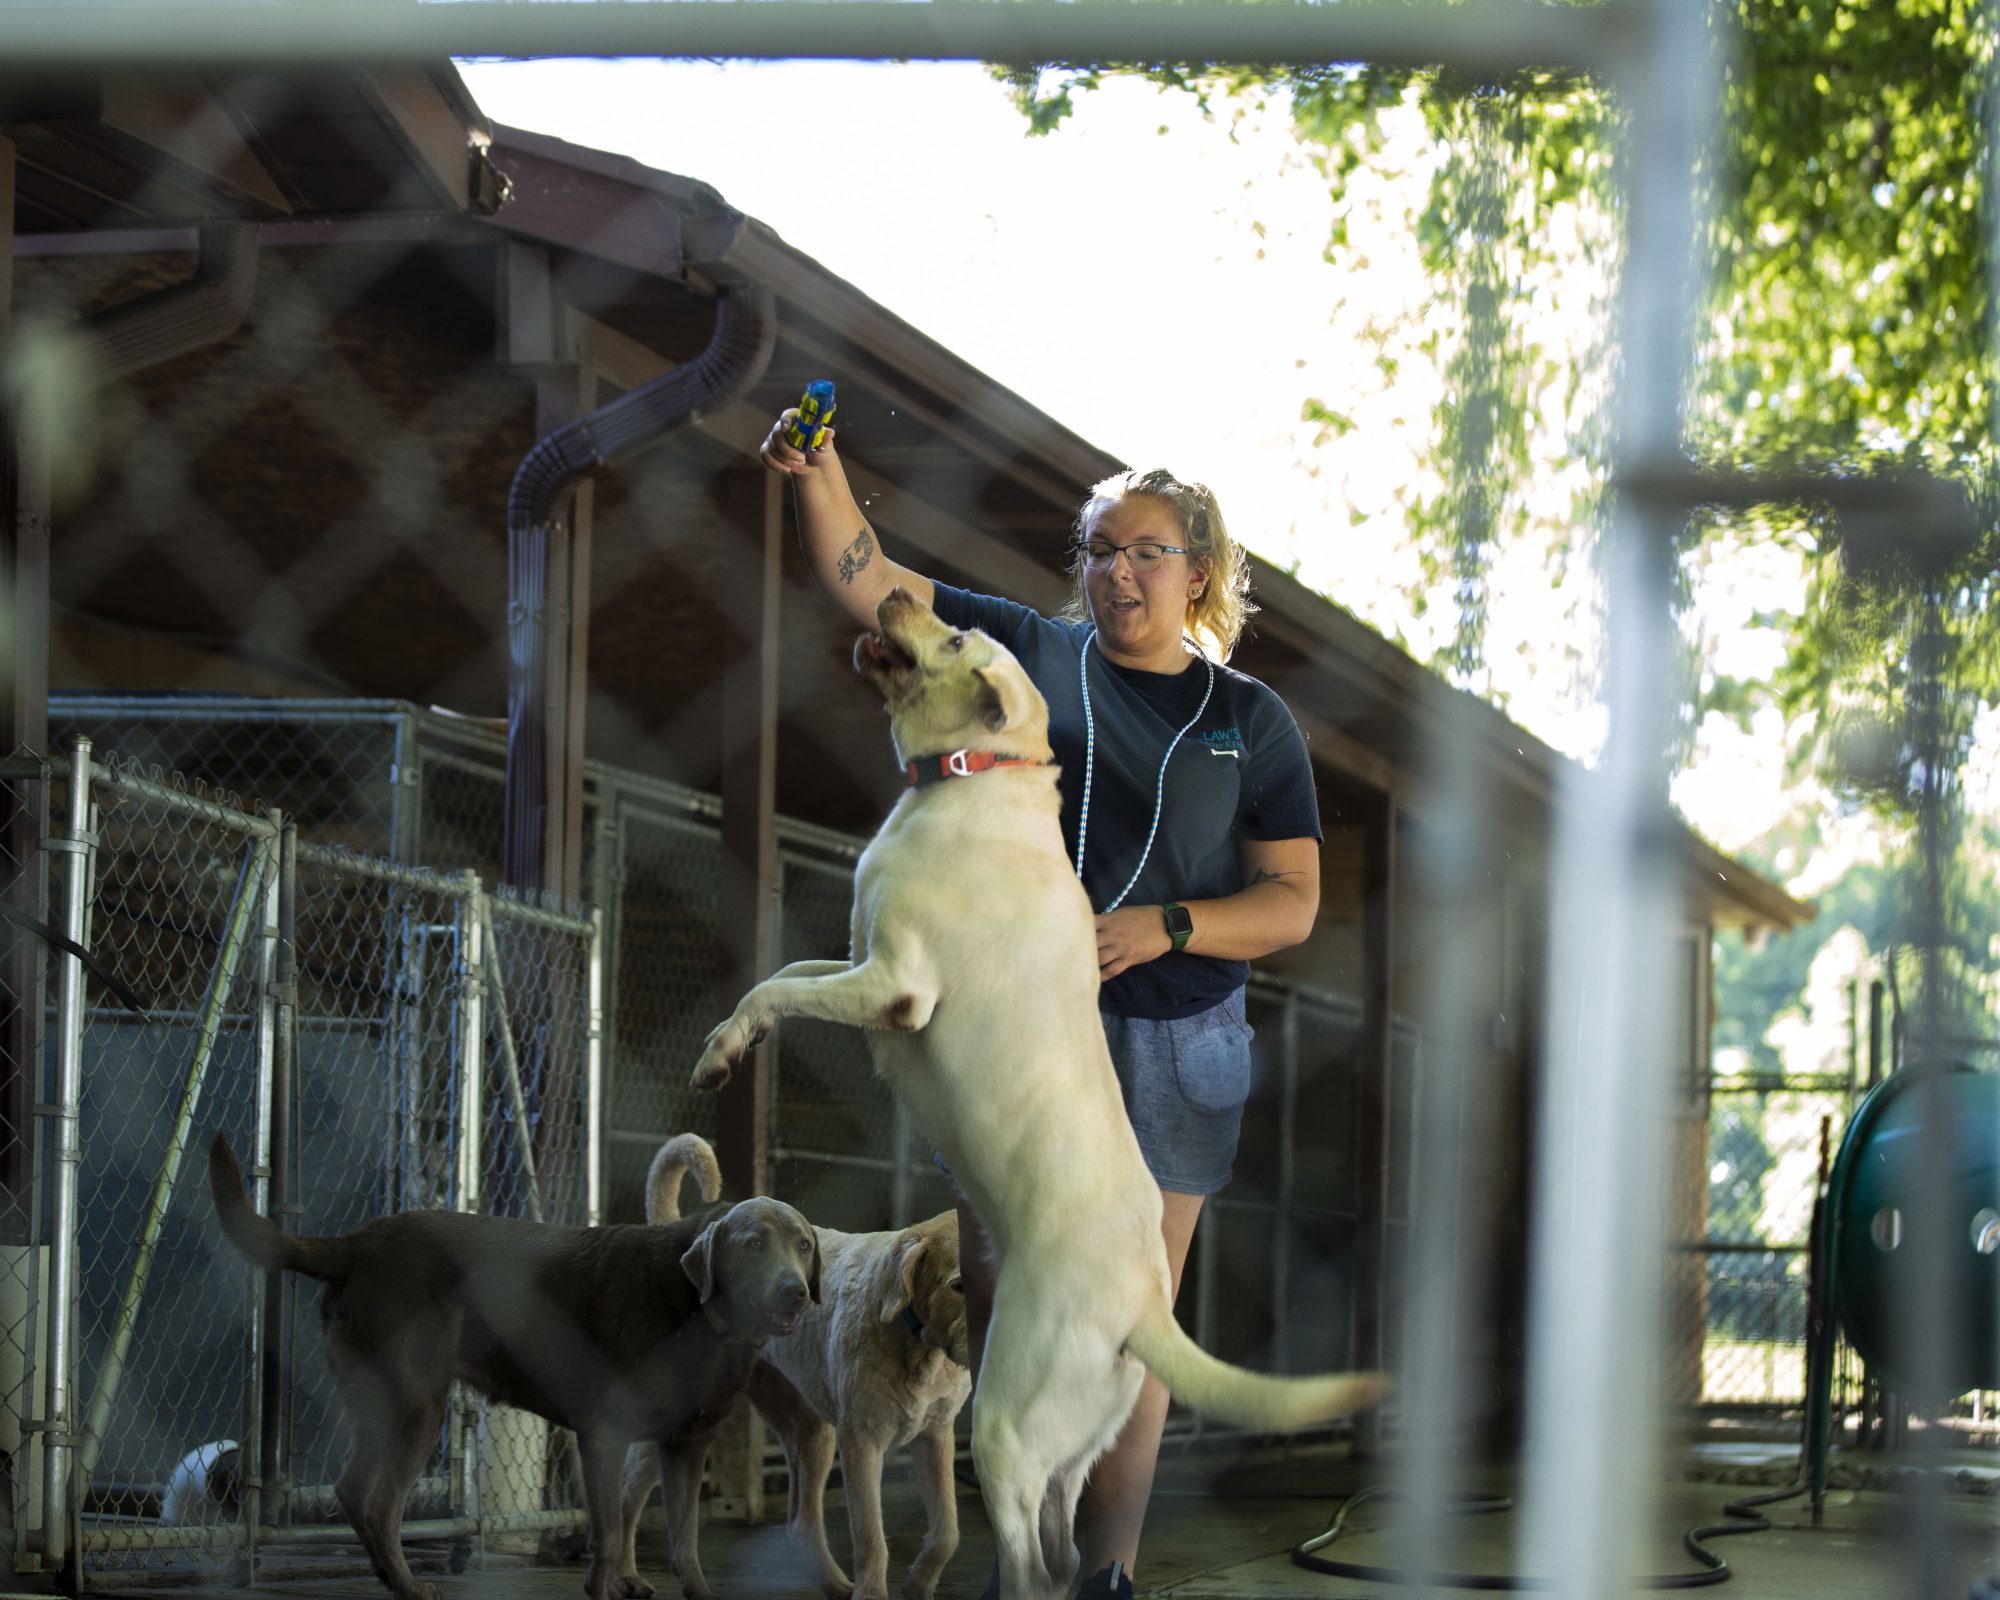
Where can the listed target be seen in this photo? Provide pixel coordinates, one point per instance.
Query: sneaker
(1112, 1583)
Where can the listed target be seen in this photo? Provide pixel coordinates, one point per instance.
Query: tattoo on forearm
(856, 556)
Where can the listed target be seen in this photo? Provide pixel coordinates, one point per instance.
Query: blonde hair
(1216, 617)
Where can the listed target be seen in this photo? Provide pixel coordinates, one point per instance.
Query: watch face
(1178, 920)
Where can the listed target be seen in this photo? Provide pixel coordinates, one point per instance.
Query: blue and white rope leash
(1090, 761)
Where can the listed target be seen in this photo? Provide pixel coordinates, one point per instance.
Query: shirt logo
(1222, 741)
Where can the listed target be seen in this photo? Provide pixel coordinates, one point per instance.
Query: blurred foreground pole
(1373, 1088)
(747, 915)
(1598, 1260)
(24, 725)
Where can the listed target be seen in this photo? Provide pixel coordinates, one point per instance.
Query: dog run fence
(370, 1037)
(416, 1040)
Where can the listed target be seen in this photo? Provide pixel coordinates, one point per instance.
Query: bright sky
(1115, 274)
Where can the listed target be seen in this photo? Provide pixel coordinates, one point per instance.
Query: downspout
(172, 322)
(746, 332)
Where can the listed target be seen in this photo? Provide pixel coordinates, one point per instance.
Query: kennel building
(283, 545)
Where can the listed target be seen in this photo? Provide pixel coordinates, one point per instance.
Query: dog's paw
(630, 1586)
(837, 1586)
(725, 1049)
(710, 1072)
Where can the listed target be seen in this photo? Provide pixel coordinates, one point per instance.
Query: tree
(1845, 330)
(1845, 333)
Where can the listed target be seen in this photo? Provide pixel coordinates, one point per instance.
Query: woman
(1188, 803)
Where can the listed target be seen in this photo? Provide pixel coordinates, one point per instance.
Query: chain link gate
(371, 1037)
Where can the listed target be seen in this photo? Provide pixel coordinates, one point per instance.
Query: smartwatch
(1180, 926)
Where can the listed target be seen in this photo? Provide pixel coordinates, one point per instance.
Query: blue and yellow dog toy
(808, 428)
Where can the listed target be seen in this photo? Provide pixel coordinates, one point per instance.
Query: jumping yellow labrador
(974, 972)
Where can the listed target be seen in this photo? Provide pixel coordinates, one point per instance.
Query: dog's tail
(680, 1155)
(259, 1240)
(1243, 1399)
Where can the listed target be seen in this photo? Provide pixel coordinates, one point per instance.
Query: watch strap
(1179, 929)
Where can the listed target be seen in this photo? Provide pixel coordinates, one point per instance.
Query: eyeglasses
(1099, 554)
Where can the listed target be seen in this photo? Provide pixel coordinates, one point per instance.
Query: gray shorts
(1185, 1082)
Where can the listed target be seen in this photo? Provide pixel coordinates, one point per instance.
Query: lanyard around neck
(1090, 761)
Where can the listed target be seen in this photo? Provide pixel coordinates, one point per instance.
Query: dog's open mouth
(783, 1322)
(877, 652)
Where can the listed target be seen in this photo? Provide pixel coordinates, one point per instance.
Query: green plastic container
(1877, 1253)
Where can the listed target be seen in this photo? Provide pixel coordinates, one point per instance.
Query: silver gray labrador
(625, 1334)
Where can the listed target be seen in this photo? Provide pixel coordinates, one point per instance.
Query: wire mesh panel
(379, 1027)
(537, 1129)
(462, 811)
(402, 994)
(1764, 1158)
(26, 996)
(326, 764)
(1271, 1286)
(840, 1144)
(177, 914)
(666, 983)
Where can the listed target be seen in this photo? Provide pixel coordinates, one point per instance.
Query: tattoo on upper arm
(1267, 875)
(856, 556)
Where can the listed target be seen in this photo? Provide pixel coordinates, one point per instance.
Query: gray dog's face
(949, 688)
(758, 1264)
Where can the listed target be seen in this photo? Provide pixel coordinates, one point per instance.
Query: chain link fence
(370, 1037)
(1764, 1169)
(1268, 1284)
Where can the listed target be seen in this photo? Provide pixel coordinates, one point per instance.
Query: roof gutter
(170, 323)
(746, 332)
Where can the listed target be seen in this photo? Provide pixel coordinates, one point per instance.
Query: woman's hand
(782, 457)
(1129, 937)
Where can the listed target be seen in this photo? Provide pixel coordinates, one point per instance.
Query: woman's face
(1140, 613)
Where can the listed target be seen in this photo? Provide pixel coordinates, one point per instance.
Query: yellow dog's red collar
(960, 764)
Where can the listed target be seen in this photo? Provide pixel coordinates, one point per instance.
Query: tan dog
(974, 970)
(622, 1333)
(881, 1358)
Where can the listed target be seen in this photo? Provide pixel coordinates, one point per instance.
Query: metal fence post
(607, 887)
(250, 1443)
(406, 795)
(510, 1059)
(58, 1451)
(275, 1439)
(902, 1140)
(471, 1121)
(1287, 1186)
(593, 1077)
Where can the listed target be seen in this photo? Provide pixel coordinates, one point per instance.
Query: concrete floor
(1224, 1525)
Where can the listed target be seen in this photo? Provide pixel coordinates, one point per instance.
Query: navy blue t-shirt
(1240, 772)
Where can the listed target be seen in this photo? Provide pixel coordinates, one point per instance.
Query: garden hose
(1715, 1569)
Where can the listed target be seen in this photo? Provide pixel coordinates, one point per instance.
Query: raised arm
(840, 547)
